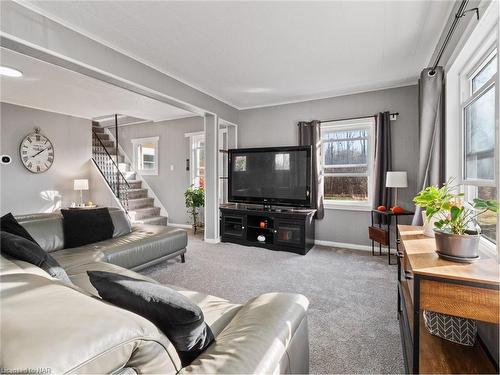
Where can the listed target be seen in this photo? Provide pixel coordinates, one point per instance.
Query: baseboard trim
(344, 245)
(184, 226)
(212, 240)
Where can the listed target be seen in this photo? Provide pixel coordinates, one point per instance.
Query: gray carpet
(352, 314)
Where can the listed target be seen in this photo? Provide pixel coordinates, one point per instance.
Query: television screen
(277, 175)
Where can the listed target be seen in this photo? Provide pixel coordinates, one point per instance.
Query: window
(240, 163)
(282, 162)
(197, 158)
(146, 155)
(479, 139)
(347, 161)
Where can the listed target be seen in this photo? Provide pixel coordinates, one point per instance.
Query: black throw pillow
(86, 226)
(175, 315)
(8, 223)
(23, 249)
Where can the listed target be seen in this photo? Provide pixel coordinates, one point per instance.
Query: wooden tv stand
(285, 230)
(426, 282)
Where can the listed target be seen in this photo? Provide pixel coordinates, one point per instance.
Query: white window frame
(467, 98)
(476, 61)
(194, 138)
(353, 124)
(138, 142)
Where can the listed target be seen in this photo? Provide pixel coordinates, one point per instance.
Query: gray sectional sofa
(49, 327)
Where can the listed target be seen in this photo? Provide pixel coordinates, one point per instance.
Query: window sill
(347, 206)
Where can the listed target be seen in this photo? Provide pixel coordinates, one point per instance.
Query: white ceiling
(52, 88)
(261, 53)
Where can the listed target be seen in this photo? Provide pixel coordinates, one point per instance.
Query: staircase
(123, 181)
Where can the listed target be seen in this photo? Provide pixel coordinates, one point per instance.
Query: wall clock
(37, 152)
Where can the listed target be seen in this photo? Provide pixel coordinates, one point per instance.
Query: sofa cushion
(70, 258)
(46, 325)
(144, 244)
(179, 318)
(8, 223)
(257, 338)
(29, 251)
(121, 222)
(46, 229)
(218, 311)
(83, 227)
(9, 265)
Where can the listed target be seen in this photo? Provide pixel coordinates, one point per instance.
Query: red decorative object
(381, 208)
(397, 210)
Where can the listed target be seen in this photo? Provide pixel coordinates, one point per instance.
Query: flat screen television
(270, 176)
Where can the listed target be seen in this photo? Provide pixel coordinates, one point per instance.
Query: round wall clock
(37, 152)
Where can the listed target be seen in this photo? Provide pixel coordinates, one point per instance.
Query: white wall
(277, 126)
(170, 185)
(25, 192)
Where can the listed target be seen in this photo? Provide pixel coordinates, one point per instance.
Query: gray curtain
(382, 161)
(310, 134)
(431, 133)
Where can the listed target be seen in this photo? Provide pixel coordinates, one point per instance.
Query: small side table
(382, 235)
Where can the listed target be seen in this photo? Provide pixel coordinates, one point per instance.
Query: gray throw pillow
(175, 315)
(28, 251)
(8, 223)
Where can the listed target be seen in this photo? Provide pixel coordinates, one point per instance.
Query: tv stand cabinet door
(234, 226)
(289, 232)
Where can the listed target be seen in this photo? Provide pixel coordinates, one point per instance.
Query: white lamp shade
(396, 180)
(81, 184)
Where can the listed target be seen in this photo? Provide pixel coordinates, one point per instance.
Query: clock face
(37, 153)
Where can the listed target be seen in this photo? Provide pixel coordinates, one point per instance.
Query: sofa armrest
(259, 338)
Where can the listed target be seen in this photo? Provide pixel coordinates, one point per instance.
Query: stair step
(129, 175)
(103, 136)
(134, 184)
(104, 155)
(108, 144)
(144, 213)
(136, 203)
(154, 220)
(97, 129)
(137, 193)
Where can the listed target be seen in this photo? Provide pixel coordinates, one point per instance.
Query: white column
(211, 179)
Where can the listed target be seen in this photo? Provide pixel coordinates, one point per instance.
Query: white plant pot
(428, 225)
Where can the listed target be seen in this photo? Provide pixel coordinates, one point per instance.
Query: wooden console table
(426, 282)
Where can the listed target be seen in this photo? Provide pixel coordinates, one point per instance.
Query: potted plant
(433, 200)
(195, 199)
(456, 228)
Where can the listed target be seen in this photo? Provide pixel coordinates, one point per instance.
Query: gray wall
(169, 186)
(276, 126)
(25, 192)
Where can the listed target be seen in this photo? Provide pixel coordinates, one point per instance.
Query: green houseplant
(195, 199)
(456, 226)
(433, 200)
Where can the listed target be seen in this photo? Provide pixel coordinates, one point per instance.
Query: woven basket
(459, 330)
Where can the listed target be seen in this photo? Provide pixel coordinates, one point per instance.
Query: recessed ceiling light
(10, 72)
(257, 90)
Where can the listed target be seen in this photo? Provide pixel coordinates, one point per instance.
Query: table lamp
(81, 185)
(396, 180)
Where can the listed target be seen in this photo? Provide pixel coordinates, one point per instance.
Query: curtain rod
(461, 12)
(357, 117)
